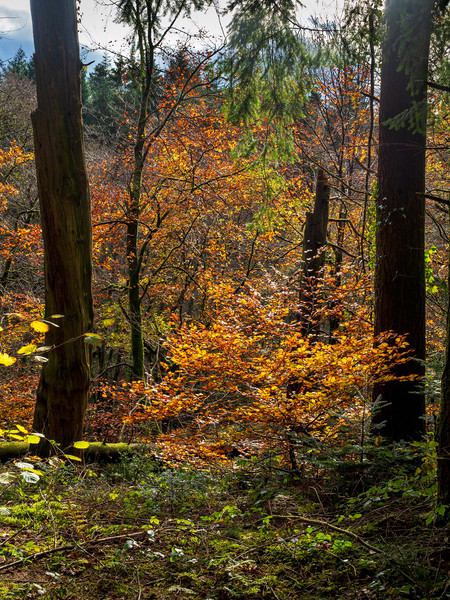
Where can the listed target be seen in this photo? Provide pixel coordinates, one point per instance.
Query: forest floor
(135, 531)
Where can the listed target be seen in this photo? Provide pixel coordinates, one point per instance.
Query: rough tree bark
(66, 223)
(443, 432)
(400, 237)
(314, 243)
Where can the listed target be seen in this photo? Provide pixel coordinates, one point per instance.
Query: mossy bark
(400, 236)
(66, 223)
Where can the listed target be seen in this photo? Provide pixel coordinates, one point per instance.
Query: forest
(224, 287)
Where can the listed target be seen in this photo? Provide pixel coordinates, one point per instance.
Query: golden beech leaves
(81, 445)
(28, 349)
(7, 360)
(40, 326)
(249, 378)
(8, 159)
(220, 232)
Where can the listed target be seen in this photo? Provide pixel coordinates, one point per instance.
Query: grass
(129, 531)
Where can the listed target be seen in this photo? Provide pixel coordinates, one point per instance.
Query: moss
(11, 450)
(22, 515)
(97, 451)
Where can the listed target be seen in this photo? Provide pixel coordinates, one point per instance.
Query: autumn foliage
(220, 231)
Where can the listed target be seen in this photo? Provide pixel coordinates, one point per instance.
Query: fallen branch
(330, 526)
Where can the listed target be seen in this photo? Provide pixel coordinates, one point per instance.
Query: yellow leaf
(29, 349)
(108, 322)
(7, 360)
(81, 445)
(32, 470)
(39, 326)
(33, 439)
(72, 457)
(21, 429)
(16, 437)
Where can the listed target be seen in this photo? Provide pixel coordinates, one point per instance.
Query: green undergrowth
(136, 530)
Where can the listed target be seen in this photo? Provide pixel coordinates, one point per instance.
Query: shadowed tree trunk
(66, 223)
(314, 246)
(443, 433)
(314, 243)
(400, 236)
(443, 429)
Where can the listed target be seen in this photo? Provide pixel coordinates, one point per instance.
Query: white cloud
(15, 23)
(98, 31)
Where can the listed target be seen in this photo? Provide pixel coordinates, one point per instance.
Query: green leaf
(30, 477)
(92, 338)
(6, 478)
(130, 544)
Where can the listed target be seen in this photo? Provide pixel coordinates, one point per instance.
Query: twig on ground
(310, 521)
(68, 547)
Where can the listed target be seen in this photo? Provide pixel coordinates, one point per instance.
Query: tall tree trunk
(443, 429)
(66, 223)
(400, 237)
(314, 243)
(135, 252)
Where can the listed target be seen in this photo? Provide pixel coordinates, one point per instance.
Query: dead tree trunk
(314, 245)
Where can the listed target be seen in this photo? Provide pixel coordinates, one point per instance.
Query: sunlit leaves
(234, 375)
(29, 476)
(28, 349)
(40, 326)
(6, 359)
(73, 457)
(81, 445)
(7, 478)
(33, 439)
(93, 339)
(9, 159)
